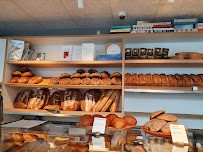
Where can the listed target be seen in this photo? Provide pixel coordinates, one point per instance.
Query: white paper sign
(98, 143)
(178, 133)
(180, 149)
(99, 125)
(77, 53)
(195, 88)
(77, 131)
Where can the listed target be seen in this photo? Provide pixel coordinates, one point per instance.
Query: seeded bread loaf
(142, 80)
(150, 80)
(164, 80)
(157, 80)
(128, 79)
(135, 80)
(173, 81)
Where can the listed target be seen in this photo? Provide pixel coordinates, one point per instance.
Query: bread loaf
(165, 80)
(39, 99)
(188, 80)
(14, 79)
(157, 80)
(76, 81)
(106, 81)
(35, 80)
(16, 73)
(23, 80)
(86, 75)
(27, 74)
(173, 81)
(64, 75)
(180, 80)
(89, 99)
(196, 79)
(142, 79)
(86, 81)
(54, 80)
(95, 81)
(54, 102)
(150, 80)
(135, 80)
(128, 79)
(105, 74)
(116, 81)
(96, 75)
(22, 98)
(65, 81)
(116, 74)
(76, 75)
(71, 100)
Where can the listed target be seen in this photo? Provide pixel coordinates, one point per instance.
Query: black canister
(135, 53)
(128, 52)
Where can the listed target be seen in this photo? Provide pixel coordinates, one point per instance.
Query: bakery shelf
(164, 63)
(175, 90)
(63, 86)
(47, 113)
(62, 64)
(15, 85)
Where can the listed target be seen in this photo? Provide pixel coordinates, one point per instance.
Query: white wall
(2, 57)
(171, 103)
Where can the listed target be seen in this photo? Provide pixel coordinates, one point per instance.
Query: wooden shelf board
(152, 89)
(63, 86)
(164, 63)
(47, 113)
(105, 64)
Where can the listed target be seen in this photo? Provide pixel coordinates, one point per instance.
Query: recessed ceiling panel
(135, 10)
(179, 9)
(50, 13)
(15, 17)
(96, 13)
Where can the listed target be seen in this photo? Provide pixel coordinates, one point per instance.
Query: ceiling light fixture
(80, 4)
(171, 0)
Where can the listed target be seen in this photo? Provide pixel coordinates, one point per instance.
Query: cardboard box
(88, 52)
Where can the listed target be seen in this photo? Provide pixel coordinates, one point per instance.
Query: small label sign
(178, 134)
(195, 88)
(180, 149)
(99, 125)
(98, 143)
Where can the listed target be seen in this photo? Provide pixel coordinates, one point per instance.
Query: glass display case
(61, 137)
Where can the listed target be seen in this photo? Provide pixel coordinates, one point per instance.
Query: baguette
(99, 101)
(104, 100)
(173, 81)
(115, 103)
(114, 94)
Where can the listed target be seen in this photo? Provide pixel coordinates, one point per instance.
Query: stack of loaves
(68, 100)
(164, 80)
(112, 120)
(160, 122)
(92, 77)
(25, 75)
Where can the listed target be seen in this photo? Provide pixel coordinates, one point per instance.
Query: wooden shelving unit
(10, 90)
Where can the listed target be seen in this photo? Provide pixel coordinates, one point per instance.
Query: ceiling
(49, 15)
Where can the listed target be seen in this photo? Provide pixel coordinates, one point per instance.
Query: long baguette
(114, 94)
(99, 101)
(115, 103)
(104, 101)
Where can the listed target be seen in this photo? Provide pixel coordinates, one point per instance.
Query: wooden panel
(123, 76)
(52, 64)
(46, 113)
(164, 63)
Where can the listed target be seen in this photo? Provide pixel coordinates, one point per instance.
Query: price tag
(178, 134)
(77, 131)
(98, 143)
(180, 149)
(99, 125)
(195, 88)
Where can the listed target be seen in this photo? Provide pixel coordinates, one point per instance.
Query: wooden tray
(109, 128)
(157, 134)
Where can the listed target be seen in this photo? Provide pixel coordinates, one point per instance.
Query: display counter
(55, 137)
